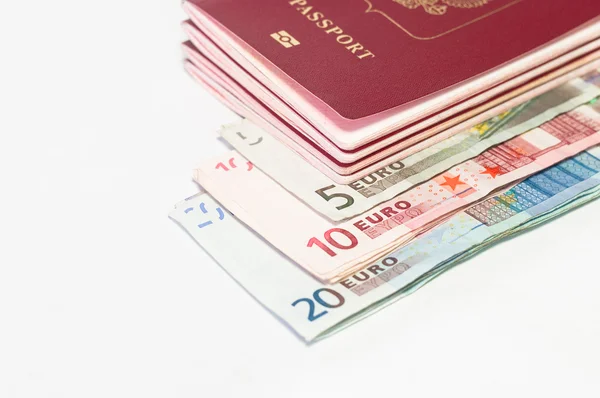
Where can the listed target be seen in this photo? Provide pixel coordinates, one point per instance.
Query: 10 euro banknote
(331, 251)
(315, 309)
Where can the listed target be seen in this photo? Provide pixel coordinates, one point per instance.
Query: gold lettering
(315, 16)
(347, 39)
(304, 10)
(324, 23)
(366, 54)
(337, 30)
(344, 39)
(355, 47)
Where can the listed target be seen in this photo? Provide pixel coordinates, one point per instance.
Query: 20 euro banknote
(315, 310)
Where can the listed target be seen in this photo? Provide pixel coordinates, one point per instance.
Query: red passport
(357, 70)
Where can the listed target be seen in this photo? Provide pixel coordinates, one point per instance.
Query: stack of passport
(384, 141)
(352, 86)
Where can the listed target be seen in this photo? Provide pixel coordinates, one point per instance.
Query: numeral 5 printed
(349, 199)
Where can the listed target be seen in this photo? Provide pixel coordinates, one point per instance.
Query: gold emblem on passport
(285, 39)
(430, 19)
(439, 7)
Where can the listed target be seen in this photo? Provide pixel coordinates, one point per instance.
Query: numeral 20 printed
(331, 300)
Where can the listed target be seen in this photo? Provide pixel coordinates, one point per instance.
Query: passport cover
(245, 104)
(362, 57)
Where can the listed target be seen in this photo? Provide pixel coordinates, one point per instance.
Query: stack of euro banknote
(342, 197)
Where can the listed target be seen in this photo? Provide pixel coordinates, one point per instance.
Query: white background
(101, 295)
